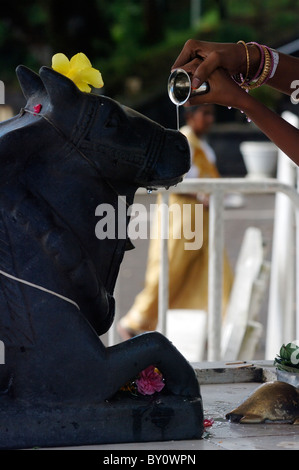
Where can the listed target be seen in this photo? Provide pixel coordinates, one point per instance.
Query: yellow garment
(188, 269)
(206, 169)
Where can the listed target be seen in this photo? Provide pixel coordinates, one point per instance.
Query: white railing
(217, 188)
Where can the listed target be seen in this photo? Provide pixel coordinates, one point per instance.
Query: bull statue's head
(121, 144)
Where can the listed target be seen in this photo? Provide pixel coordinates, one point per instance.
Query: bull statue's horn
(60, 88)
(30, 82)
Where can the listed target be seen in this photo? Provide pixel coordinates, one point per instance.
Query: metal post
(112, 337)
(163, 280)
(215, 275)
(195, 10)
(297, 264)
(282, 290)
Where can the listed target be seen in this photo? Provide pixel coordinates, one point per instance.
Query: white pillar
(215, 275)
(164, 269)
(297, 264)
(281, 311)
(195, 10)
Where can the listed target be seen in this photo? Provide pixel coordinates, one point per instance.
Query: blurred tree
(31, 31)
(20, 27)
(126, 26)
(132, 37)
(154, 21)
(74, 28)
(222, 6)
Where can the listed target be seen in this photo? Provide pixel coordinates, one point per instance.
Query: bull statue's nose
(173, 161)
(178, 149)
(180, 145)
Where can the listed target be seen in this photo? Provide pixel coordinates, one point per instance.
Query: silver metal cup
(179, 87)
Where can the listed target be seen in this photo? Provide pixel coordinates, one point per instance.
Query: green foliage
(127, 27)
(37, 14)
(229, 31)
(151, 65)
(134, 38)
(267, 95)
(288, 358)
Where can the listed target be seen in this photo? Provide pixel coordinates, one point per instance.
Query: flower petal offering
(79, 70)
(150, 381)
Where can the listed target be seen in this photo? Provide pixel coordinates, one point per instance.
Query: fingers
(229, 56)
(214, 63)
(223, 91)
(188, 53)
(192, 66)
(201, 99)
(191, 59)
(205, 68)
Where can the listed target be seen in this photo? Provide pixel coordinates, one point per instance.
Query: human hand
(223, 90)
(212, 55)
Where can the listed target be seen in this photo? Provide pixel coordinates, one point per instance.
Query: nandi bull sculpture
(59, 384)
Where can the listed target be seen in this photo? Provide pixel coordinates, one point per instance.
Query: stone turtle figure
(270, 402)
(64, 154)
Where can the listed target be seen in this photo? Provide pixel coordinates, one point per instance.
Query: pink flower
(150, 381)
(37, 108)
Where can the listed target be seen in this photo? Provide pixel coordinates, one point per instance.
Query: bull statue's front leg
(129, 358)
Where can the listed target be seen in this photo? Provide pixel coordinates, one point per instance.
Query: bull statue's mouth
(171, 162)
(166, 157)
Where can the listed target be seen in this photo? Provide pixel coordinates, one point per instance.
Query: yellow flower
(79, 70)
(129, 387)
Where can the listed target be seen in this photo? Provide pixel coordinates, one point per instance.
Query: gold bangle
(264, 74)
(266, 69)
(247, 62)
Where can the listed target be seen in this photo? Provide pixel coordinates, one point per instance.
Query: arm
(287, 71)
(201, 59)
(224, 91)
(283, 134)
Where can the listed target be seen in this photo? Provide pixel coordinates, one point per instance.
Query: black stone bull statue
(64, 154)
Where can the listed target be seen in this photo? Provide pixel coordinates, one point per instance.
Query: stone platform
(223, 387)
(125, 418)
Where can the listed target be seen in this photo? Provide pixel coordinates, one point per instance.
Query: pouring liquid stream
(178, 117)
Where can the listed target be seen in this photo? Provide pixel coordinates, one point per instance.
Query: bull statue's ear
(30, 82)
(60, 88)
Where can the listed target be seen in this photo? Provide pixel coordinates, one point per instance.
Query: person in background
(188, 269)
